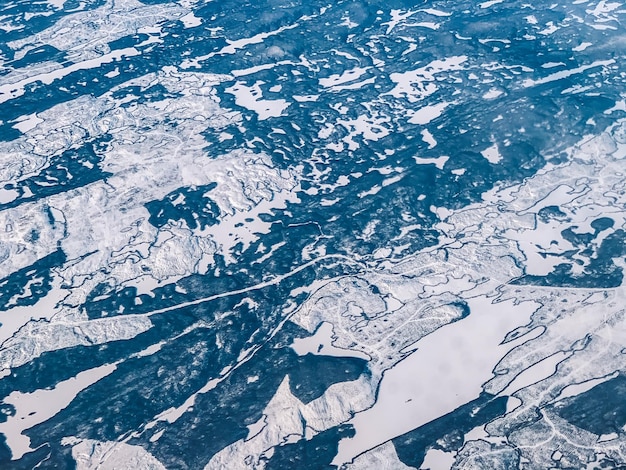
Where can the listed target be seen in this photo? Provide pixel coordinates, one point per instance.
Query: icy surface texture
(276, 235)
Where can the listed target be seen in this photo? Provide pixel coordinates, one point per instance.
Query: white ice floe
(567, 73)
(95, 455)
(415, 85)
(492, 154)
(458, 358)
(251, 97)
(428, 113)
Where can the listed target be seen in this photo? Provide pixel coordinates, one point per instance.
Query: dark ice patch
(547, 213)
(42, 53)
(314, 454)
(5, 452)
(39, 459)
(72, 169)
(312, 374)
(52, 367)
(601, 272)
(143, 387)
(601, 224)
(600, 410)
(30, 284)
(108, 300)
(190, 204)
(222, 415)
(447, 431)
(155, 92)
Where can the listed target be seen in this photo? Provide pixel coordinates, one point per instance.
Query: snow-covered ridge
(154, 148)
